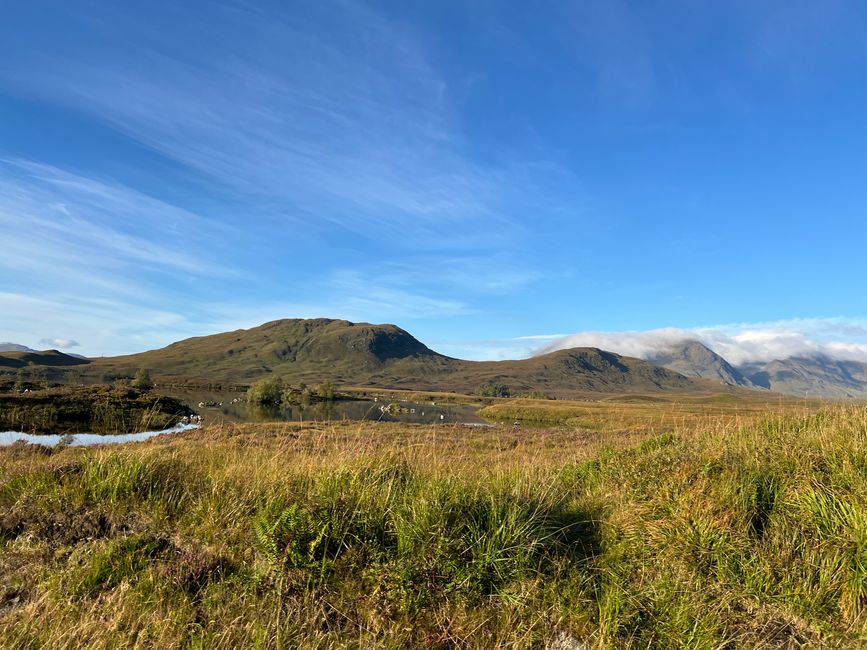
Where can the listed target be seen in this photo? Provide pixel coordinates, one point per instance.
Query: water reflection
(232, 407)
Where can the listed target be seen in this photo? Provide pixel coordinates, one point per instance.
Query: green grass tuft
(708, 533)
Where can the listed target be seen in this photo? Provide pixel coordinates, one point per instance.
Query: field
(623, 524)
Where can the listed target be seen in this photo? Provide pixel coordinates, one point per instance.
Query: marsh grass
(76, 409)
(716, 530)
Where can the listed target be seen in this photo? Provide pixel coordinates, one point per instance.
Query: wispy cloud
(332, 110)
(740, 343)
(518, 347)
(325, 127)
(485, 273)
(124, 271)
(60, 343)
(101, 261)
(111, 326)
(388, 296)
(348, 294)
(85, 233)
(540, 337)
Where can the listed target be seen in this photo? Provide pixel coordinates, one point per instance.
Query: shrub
(325, 390)
(142, 380)
(493, 389)
(266, 391)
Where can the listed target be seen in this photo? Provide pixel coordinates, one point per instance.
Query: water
(218, 407)
(86, 439)
(232, 407)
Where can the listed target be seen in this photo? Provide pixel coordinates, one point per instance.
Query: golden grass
(686, 525)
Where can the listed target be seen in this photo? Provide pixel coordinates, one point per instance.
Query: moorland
(641, 508)
(736, 527)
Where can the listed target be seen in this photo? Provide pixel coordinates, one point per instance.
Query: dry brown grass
(693, 525)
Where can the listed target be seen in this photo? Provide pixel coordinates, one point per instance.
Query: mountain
(14, 347)
(694, 359)
(291, 348)
(363, 354)
(575, 370)
(50, 358)
(815, 376)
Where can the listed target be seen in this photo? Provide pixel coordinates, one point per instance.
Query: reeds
(721, 529)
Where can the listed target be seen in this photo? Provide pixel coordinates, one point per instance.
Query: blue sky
(484, 174)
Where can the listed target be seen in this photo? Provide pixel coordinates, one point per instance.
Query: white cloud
(99, 261)
(739, 343)
(518, 347)
(347, 294)
(337, 114)
(124, 272)
(540, 337)
(109, 326)
(60, 343)
(90, 232)
(334, 114)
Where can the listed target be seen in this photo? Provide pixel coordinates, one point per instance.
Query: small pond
(232, 407)
(228, 407)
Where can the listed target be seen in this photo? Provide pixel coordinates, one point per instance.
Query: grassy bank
(722, 533)
(646, 412)
(96, 409)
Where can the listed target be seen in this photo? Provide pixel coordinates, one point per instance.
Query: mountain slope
(694, 359)
(290, 348)
(14, 347)
(576, 369)
(817, 376)
(385, 355)
(53, 358)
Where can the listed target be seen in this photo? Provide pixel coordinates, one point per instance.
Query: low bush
(266, 391)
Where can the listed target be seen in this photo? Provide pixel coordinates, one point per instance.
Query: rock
(565, 641)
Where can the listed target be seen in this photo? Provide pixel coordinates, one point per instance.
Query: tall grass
(716, 532)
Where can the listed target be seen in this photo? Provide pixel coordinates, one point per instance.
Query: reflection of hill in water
(240, 411)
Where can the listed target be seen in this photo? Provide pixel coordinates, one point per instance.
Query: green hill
(388, 356)
(53, 358)
(297, 349)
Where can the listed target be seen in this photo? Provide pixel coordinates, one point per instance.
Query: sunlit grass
(709, 529)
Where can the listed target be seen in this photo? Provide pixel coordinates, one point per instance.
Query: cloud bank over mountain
(740, 343)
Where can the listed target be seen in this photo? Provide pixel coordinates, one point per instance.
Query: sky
(494, 177)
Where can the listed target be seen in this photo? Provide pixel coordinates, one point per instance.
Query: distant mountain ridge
(363, 354)
(816, 376)
(813, 376)
(49, 358)
(14, 347)
(694, 359)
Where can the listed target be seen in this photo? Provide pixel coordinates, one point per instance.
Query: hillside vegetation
(52, 358)
(385, 356)
(361, 354)
(735, 530)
